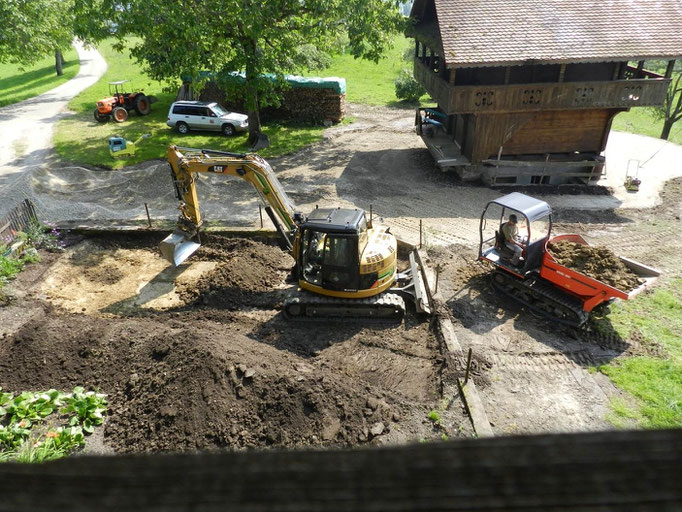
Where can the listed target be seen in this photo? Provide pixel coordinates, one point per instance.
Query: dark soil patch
(181, 388)
(249, 274)
(104, 274)
(596, 262)
(211, 375)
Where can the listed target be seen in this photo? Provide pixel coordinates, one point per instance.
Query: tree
(256, 37)
(671, 111)
(33, 29)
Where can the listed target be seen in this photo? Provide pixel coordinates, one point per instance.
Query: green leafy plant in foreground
(21, 442)
(88, 408)
(54, 445)
(30, 407)
(41, 236)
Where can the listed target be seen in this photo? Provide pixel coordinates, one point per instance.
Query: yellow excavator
(345, 265)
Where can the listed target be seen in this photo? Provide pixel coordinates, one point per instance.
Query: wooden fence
(18, 219)
(637, 470)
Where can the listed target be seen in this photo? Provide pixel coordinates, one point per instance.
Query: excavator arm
(186, 163)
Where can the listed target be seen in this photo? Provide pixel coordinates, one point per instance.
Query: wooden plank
(479, 418)
(449, 336)
(540, 163)
(472, 400)
(589, 472)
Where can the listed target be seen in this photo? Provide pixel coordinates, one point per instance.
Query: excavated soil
(596, 262)
(200, 358)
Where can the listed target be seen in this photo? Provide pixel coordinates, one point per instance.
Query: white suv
(199, 115)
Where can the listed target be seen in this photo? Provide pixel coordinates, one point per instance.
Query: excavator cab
(332, 241)
(534, 227)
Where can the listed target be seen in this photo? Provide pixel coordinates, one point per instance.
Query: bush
(407, 88)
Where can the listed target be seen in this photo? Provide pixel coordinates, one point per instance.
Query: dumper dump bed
(589, 290)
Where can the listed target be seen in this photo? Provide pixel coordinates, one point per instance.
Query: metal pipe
(466, 375)
(149, 219)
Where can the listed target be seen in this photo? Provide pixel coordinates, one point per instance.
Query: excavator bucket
(176, 248)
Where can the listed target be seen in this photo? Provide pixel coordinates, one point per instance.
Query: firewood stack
(303, 104)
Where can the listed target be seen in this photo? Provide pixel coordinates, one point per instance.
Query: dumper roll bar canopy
(530, 208)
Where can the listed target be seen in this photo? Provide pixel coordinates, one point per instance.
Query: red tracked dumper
(539, 282)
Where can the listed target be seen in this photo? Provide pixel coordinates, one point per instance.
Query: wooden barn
(527, 89)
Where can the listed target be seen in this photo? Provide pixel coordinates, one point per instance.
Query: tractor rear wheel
(120, 114)
(142, 105)
(101, 118)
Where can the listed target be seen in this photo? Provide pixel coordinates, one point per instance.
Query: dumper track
(305, 306)
(542, 298)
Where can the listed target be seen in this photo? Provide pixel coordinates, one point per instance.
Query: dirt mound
(596, 262)
(249, 274)
(177, 387)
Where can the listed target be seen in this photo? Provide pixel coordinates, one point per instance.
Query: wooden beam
(453, 72)
(539, 163)
(562, 72)
(507, 75)
(669, 69)
(587, 472)
(640, 68)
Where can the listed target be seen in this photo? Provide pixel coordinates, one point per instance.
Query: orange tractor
(120, 103)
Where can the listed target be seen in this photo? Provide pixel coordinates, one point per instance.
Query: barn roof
(515, 32)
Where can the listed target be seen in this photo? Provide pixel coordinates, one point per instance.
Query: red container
(590, 291)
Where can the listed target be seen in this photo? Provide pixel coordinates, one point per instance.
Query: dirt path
(26, 127)
(537, 376)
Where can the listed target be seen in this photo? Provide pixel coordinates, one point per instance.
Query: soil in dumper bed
(205, 375)
(596, 262)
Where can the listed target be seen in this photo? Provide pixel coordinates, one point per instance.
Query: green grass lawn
(641, 120)
(370, 83)
(656, 382)
(18, 84)
(81, 139)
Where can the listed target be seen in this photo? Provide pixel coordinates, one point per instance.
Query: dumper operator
(510, 233)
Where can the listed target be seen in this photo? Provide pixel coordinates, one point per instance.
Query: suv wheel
(182, 128)
(228, 130)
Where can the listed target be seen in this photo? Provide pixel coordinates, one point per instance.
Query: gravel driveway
(26, 127)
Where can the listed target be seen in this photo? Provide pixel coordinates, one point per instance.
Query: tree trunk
(58, 62)
(252, 106)
(254, 125)
(667, 126)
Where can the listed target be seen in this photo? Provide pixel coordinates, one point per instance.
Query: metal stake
(149, 219)
(466, 375)
(370, 213)
(260, 212)
(420, 233)
(435, 288)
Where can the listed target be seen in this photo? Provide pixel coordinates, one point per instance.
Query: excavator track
(542, 298)
(304, 306)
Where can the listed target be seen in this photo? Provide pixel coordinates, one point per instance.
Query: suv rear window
(188, 110)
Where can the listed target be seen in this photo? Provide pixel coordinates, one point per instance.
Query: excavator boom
(185, 163)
